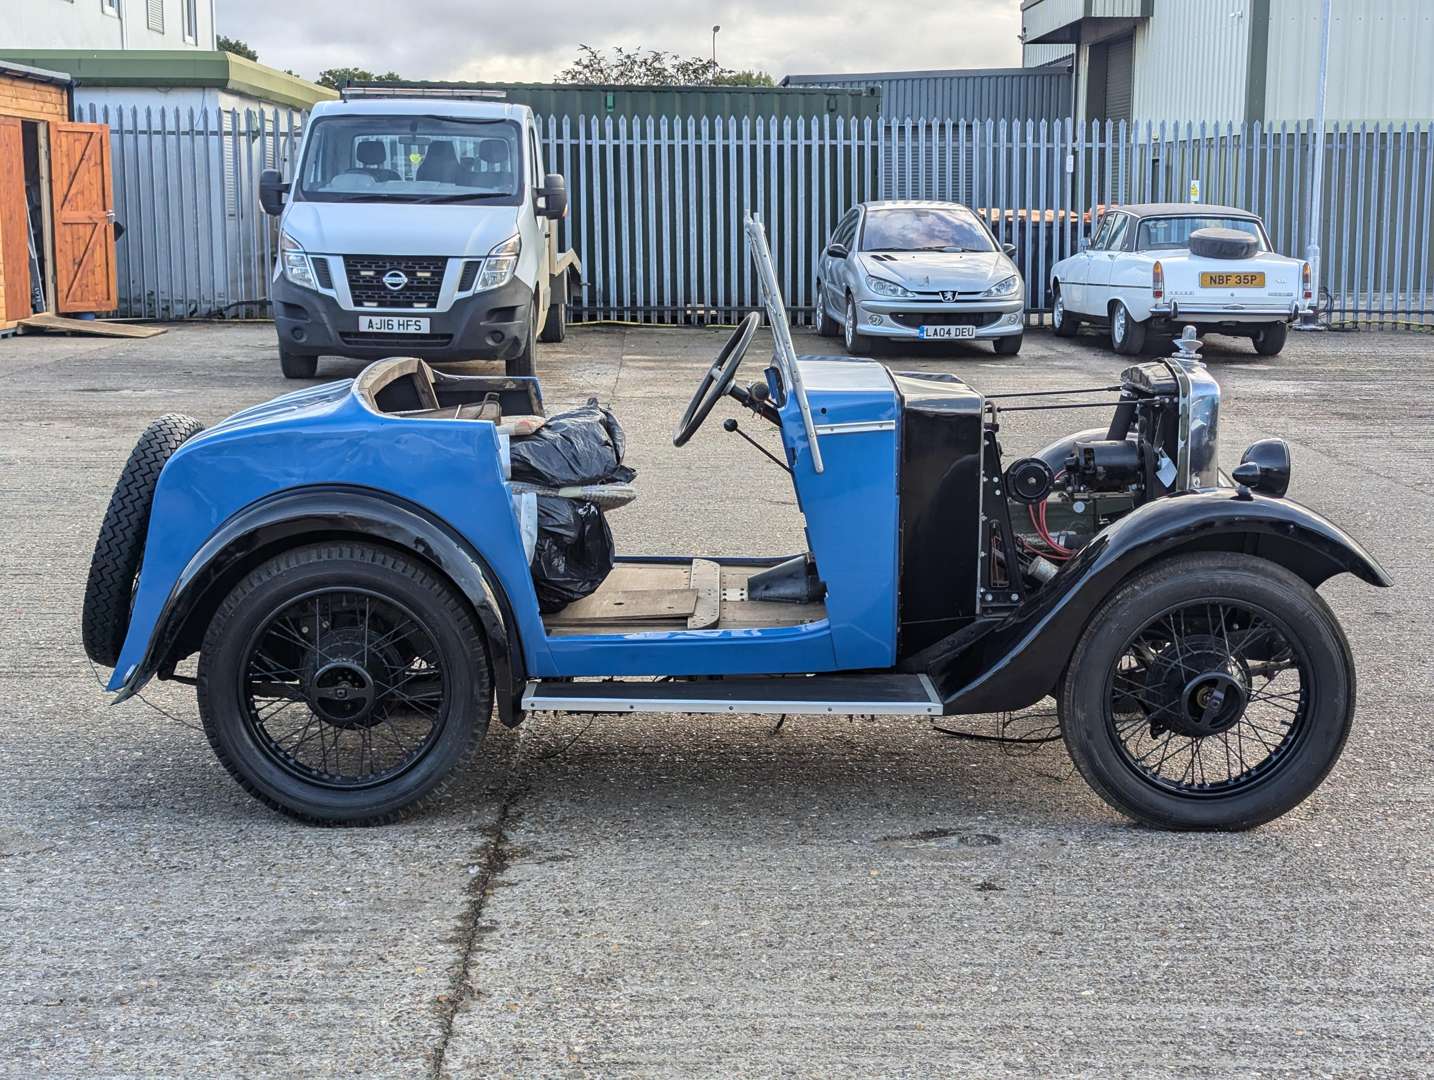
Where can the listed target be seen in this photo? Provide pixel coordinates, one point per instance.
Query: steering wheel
(718, 380)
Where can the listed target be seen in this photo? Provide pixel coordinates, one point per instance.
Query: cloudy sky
(492, 41)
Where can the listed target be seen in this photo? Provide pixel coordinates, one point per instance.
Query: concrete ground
(654, 897)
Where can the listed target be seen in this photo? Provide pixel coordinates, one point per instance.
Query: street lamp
(714, 45)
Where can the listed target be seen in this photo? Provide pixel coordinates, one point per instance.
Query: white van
(418, 226)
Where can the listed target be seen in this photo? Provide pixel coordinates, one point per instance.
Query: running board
(892, 694)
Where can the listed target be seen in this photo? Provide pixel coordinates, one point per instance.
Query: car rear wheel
(821, 321)
(119, 548)
(1009, 345)
(297, 365)
(1127, 334)
(343, 683)
(522, 363)
(1269, 340)
(1063, 322)
(1212, 691)
(856, 343)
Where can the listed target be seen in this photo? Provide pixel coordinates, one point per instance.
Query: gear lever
(731, 425)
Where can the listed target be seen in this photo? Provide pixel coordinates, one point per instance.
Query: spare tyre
(1215, 243)
(109, 592)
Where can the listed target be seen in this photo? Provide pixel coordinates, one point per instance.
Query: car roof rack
(366, 88)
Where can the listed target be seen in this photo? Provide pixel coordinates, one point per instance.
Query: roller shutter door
(1119, 78)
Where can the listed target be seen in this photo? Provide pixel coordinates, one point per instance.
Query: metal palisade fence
(656, 203)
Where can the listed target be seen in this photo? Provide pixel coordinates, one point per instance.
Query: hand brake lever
(731, 425)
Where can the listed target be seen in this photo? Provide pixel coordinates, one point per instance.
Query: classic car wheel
(821, 321)
(522, 364)
(109, 589)
(343, 683)
(1127, 334)
(297, 365)
(1270, 339)
(1213, 691)
(856, 342)
(1062, 321)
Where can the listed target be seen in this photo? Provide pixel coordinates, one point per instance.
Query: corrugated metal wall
(1033, 56)
(1012, 93)
(1379, 61)
(1192, 59)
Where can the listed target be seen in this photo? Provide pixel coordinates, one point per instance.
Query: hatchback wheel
(821, 321)
(1213, 691)
(343, 683)
(856, 342)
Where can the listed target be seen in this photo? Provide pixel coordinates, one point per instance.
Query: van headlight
(882, 287)
(499, 266)
(1005, 287)
(295, 260)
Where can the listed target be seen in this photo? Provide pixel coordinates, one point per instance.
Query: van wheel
(1212, 691)
(343, 683)
(522, 364)
(555, 326)
(1270, 339)
(1127, 334)
(297, 365)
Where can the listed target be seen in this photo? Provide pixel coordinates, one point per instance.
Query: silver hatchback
(919, 271)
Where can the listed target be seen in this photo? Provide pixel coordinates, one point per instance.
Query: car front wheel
(1009, 345)
(856, 342)
(1212, 691)
(821, 321)
(1063, 322)
(342, 683)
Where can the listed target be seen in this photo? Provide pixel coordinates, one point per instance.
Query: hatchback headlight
(882, 287)
(295, 260)
(1005, 287)
(501, 263)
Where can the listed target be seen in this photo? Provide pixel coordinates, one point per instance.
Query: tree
(652, 67)
(235, 46)
(336, 78)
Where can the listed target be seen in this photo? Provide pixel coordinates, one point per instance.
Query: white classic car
(1153, 267)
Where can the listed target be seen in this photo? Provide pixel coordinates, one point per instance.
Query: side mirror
(838, 251)
(272, 190)
(1084, 243)
(1010, 250)
(554, 196)
(1265, 467)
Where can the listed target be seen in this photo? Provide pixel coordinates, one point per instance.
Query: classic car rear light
(1307, 281)
(1157, 282)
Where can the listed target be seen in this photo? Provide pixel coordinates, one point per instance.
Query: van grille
(423, 279)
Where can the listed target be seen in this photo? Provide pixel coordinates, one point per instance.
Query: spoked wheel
(343, 683)
(1214, 692)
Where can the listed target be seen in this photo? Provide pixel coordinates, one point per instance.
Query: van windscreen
(424, 159)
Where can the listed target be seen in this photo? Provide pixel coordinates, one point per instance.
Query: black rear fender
(1021, 660)
(312, 515)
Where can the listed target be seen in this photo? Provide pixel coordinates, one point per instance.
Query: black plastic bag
(574, 552)
(581, 446)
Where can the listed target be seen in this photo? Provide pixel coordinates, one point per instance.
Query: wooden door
(83, 206)
(14, 225)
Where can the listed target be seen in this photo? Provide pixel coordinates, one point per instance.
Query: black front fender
(1020, 660)
(313, 514)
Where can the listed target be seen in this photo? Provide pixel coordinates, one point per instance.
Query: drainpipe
(1312, 253)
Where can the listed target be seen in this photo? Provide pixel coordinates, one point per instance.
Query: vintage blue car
(352, 566)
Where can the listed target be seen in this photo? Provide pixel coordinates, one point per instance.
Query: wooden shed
(57, 238)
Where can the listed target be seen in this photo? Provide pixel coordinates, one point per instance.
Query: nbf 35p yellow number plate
(1232, 281)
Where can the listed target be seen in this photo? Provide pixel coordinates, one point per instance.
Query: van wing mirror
(554, 196)
(272, 190)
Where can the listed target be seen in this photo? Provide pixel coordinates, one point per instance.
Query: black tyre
(823, 323)
(297, 365)
(522, 363)
(1009, 345)
(555, 326)
(1270, 339)
(1063, 322)
(109, 590)
(1212, 691)
(1127, 334)
(342, 683)
(857, 343)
